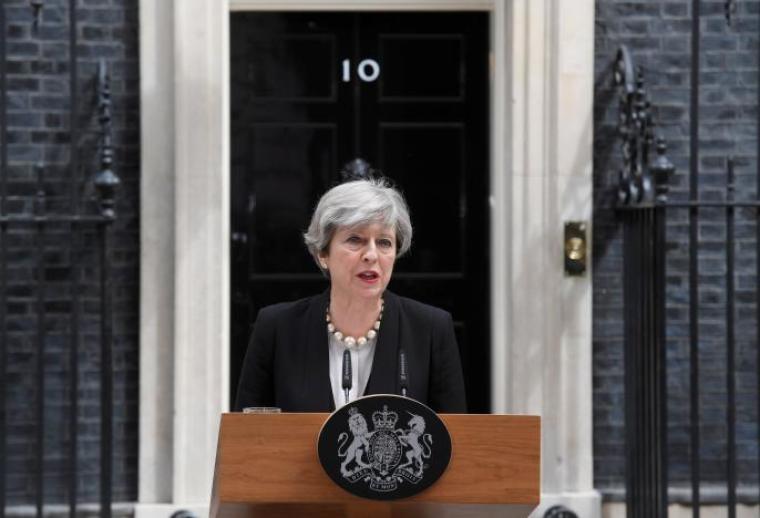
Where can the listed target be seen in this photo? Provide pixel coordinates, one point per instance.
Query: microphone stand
(347, 375)
(403, 371)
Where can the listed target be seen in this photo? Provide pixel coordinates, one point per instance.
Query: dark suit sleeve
(446, 380)
(256, 381)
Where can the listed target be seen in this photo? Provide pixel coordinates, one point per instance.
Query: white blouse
(361, 367)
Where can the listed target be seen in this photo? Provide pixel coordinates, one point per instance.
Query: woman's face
(360, 260)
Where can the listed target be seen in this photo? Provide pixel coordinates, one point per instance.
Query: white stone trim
(157, 250)
(201, 347)
(501, 232)
(362, 5)
(184, 328)
(547, 351)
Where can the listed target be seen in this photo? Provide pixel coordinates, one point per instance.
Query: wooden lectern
(267, 465)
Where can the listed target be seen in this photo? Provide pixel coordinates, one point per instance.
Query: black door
(406, 92)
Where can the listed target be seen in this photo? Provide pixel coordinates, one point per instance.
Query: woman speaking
(356, 338)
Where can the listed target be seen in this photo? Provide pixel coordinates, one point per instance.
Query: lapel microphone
(347, 377)
(403, 371)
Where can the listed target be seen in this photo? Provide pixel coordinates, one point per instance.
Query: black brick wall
(39, 130)
(659, 35)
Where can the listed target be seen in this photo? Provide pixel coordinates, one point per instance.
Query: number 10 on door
(368, 70)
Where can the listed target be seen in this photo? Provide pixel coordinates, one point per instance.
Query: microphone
(403, 371)
(347, 377)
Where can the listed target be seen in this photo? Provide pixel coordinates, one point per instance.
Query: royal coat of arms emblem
(391, 457)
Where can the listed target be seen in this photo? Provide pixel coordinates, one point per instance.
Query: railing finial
(106, 181)
(638, 179)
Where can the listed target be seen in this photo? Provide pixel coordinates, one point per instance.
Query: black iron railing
(644, 208)
(642, 193)
(83, 216)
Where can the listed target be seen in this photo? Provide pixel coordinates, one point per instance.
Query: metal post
(73, 263)
(3, 235)
(648, 380)
(39, 208)
(730, 346)
(660, 362)
(693, 258)
(662, 171)
(106, 183)
(632, 366)
(628, 327)
(106, 377)
(757, 272)
(39, 212)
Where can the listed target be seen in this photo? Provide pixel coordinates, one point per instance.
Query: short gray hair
(356, 204)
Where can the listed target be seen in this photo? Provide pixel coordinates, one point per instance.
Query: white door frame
(498, 166)
(541, 125)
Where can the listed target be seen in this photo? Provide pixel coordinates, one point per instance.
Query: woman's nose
(370, 253)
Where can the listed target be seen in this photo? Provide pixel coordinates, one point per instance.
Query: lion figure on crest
(419, 449)
(359, 445)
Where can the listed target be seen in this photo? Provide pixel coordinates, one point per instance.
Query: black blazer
(287, 363)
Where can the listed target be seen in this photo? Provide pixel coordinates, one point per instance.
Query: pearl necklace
(349, 341)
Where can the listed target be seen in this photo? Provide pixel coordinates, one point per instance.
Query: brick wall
(658, 33)
(39, 131)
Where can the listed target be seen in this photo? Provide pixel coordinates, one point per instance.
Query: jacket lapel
(384, 376)
(316, 387)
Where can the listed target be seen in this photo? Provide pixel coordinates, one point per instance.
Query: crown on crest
(384, 420)
(353, 411)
